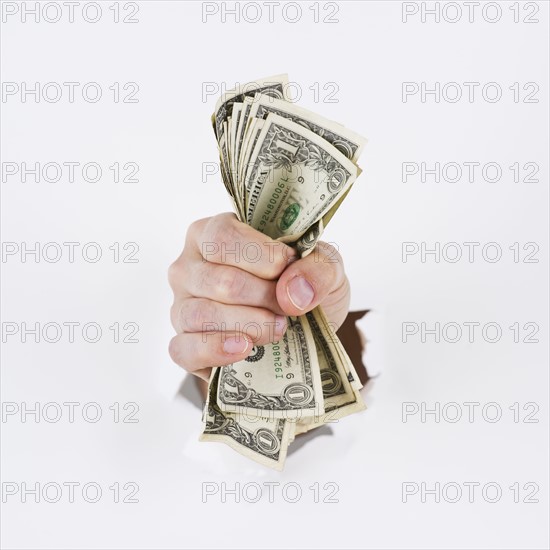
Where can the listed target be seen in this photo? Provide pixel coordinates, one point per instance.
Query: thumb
(305, 283)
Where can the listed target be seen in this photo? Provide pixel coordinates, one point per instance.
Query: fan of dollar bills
(287, 170)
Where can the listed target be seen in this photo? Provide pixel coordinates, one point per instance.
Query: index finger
(225, 240)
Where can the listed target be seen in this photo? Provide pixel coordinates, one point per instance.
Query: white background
(174, 56)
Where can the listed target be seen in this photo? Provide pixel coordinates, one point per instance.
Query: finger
(204, 374)
(225, 284)
(195, 351)
(307, 282)
(200, 315)
(225, 240)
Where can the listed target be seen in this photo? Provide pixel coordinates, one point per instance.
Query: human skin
(228, 298)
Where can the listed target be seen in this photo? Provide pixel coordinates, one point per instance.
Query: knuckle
(175, 349)
(334, 272)
(231, 283)
(175, 273)
(328, 280)
(223, 230)
(331, 261)
(227, 217)
(195, 313)
(175, 316)
(330, 252)
(195, 229)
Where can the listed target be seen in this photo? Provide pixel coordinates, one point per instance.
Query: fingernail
(300, 292)
(280, 325)
(235, 345)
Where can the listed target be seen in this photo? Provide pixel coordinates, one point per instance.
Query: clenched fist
(233, 287)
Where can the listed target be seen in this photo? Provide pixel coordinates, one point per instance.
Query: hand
(233, 287)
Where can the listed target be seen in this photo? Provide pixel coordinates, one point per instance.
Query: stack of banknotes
(287, 170)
